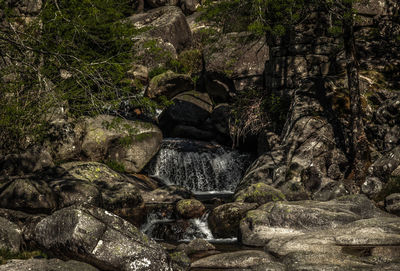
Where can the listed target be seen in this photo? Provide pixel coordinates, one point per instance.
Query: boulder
(153, 53)
(118, 193)
(101, 238)
(167, 23)
(169, 84)
(32, 195)
(189, 109)
(354, 246)
(392, 203)
(46, 265)
(239, 260)
(131, 144)
(190, 208)
(224, 220)
(189, 6)
(235, 62)
(195, 246)
(10, 236)
(288, 219)
(72, 191)
(259, 193)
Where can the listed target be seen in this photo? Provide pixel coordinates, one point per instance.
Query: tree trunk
(359, 150)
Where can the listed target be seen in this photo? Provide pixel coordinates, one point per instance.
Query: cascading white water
(199, 166)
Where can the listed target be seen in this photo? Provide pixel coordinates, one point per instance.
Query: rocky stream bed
(170, 192)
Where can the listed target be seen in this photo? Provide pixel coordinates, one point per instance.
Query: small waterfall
(198, 166)
(167, 229)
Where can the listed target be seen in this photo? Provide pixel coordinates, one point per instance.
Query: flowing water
(198, 166)
(207, 170)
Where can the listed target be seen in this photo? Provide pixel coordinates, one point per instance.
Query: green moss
(114, 165)
(260, 192)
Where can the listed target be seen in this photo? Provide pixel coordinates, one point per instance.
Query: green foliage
(6, 255)
(74, 55)
(88, 40)
(114, 165)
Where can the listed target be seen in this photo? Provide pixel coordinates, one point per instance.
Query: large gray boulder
(239, 260)
(224, 220)
(32, 195)
(129, 143)
(167, 23)
(101, 238)
(288, 219)
(354, 246)
(95, 183)
(10, 236)
(46, 265)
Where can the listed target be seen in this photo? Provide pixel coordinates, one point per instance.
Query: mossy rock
(190, 208)
(259, 193)
(169, 84)
(128, 144)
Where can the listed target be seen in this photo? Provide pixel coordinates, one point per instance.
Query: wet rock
(224, 220)
(101, 238)
(190, 208)
(10, 236)
(46, 265)
(392, 203)
(169, 194)
(167, 23)
(169, 84)
(196, 246)
(245, 259)
(288, 219)
(129, 143)
(259, 193)
(31, 195)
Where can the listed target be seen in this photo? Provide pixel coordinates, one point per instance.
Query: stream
(210, 171)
